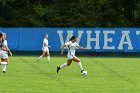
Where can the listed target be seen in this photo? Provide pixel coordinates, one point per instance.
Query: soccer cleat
(49, 61)
(4, 71)
(58, 68)
(82, 71)
(38, 60)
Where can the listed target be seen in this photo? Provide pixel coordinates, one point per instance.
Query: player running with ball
(45, 49)
(71, 54)
(4, 50)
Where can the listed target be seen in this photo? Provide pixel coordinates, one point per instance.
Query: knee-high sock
(63, 65)
(3, 66)
(48, 58)
(80, 66)
(40, 57)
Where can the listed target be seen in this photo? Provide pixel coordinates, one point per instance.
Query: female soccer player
(4, 50)
(71, 54)
(45, 49)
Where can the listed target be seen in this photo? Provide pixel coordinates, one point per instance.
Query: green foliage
(69, 13)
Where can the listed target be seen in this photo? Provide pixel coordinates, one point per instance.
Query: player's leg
(4, 62)
(43, 54)
(76, 59)
(48, 56)
(64, 65)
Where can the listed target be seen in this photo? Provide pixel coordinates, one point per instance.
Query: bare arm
(7, 49)
(4, 49)
(45, 44)
(82, 48)
(62, 51)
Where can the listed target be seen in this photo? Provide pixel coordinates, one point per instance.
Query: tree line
(69, 13)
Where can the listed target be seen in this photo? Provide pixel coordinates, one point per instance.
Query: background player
(71, 54)
(45, 49)
(4, 52)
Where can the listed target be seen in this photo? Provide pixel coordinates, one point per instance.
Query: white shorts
(3, 54)
(70, 56)
(46, 49)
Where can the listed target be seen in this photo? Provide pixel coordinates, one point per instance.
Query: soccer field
(105, 75)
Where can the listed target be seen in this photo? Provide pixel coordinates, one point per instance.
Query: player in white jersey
(45, 49)
(72, 45)
(4, 50)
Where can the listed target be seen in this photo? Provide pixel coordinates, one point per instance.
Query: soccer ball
(84, 73)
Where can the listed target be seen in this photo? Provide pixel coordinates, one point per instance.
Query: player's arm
(62, 51)
(45, 44)
(4, 49)
(82, 48)
(63, 47)
(9, 50)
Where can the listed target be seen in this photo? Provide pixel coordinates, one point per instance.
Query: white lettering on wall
(69, 35)
(107, 40)
(96, 39)
(125, 34)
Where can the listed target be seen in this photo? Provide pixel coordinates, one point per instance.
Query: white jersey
(1, 47)
(45, 45)
(3, 54)
(45, 42)
(71, 47)
(4, 44)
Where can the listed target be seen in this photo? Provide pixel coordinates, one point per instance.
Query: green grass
(105, 75)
